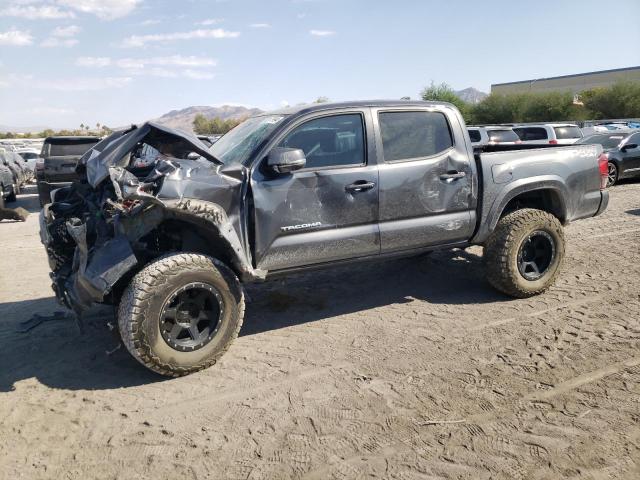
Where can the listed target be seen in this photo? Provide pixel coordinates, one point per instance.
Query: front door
(427, 191)
(327, 211)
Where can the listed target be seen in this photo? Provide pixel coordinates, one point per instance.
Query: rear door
(327, 211)
(428, 186)
(61, 157)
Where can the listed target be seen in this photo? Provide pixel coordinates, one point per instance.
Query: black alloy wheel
(535, 255)
(191, 316)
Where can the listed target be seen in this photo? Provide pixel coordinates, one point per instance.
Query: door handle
(452, 175)
(359, 186)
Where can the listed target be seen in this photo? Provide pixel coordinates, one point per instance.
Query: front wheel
(180, 313)
(524, 253)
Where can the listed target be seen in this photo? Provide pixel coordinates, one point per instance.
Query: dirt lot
(406, 369)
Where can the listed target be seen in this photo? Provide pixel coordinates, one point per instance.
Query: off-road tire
(502, 247)
(1, 198)
(141, 305)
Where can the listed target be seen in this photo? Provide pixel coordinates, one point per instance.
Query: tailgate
(61, 169)
(61, 156)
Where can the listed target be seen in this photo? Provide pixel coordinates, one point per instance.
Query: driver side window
(333, 141)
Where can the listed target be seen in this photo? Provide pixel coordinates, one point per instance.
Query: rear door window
(411, 135)
(563, 133)
(531, 133)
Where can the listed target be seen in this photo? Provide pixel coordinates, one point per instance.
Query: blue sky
(63, 62)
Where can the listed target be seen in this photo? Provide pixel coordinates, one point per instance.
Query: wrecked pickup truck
(170, 242)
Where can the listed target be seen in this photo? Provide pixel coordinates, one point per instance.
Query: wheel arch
(548, 194)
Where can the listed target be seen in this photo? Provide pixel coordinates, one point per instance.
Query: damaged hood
(119, 145)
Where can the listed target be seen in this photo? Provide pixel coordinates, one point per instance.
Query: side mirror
(286, 160)
(629, 146)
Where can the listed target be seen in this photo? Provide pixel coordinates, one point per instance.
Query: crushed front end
(101, 230)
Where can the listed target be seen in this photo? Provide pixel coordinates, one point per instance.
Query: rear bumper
(604, 201)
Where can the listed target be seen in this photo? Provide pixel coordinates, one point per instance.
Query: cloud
(150, 22)
(168, 67)
(31, 12)
(138, 63)
(260, 25)
(142, 40)
(105, 9)
(16, 38)
(93, 62)
(62, 37)
(210, 21)
(58, 9)
(322, 33)
(59, 42)
(70, 31)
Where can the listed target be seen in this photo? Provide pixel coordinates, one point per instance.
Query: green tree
(213, 126)
(444, 93)
(621, 100)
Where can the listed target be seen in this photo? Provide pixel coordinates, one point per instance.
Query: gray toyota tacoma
(170, 242)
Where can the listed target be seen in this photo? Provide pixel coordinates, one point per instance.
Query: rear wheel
(612, 174)
(181, 313)
(524, 253)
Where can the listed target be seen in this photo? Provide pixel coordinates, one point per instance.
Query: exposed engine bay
(143, 192)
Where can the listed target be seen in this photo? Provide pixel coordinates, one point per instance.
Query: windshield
(563, 133)
(502, 136)
(237, 145)
(608, 142)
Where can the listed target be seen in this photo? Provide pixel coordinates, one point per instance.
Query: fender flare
(513, 190)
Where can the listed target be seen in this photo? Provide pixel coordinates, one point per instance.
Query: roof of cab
(315, 107)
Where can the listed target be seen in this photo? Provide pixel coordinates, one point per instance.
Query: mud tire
(502, 248)
(141, 305)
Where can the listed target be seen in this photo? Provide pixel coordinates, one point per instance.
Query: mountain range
(183, 118)
(471, 95)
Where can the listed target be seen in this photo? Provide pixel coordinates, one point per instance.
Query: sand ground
(407, 369)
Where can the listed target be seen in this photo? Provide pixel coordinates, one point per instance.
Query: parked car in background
(30, 157)
(478, 136)
(57, 166)
(548, 133)
(18, 172)
(501, 135)
(7, 184)
(622, 148)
